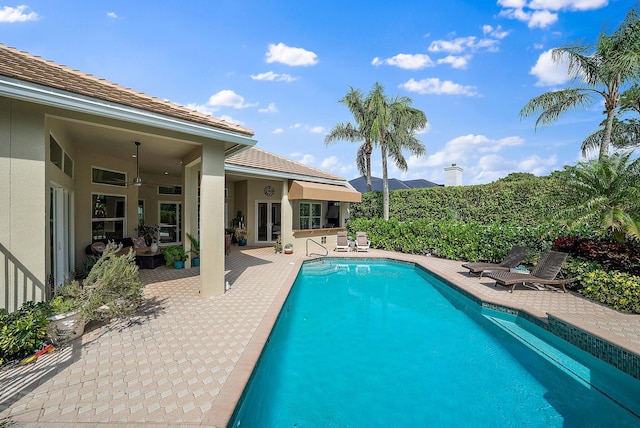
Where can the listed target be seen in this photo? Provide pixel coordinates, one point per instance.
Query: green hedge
(525, 201)
(618, 290)
(456, 240)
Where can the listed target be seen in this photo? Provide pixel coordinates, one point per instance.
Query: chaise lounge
(362, 243)
(342, 242)
(544, 273)
(513, 259)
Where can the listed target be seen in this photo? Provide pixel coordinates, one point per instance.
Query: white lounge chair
(362, 243)
(342, 242)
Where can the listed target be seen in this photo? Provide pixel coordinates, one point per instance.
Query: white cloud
(112, 15)
(332, 164)
(304, 158)
(310, 129)
(406, 61)
(543, 13)
(459, 62)
(497, 33)
(436, 86)
(568, 4)
(228, 98)
(548, 72)
(461, 44)
(463, 149)
(23, 13)
(271, 108)
(274, 77)
(290, 55)
(277, 131)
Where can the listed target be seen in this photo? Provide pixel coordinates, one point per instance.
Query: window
(104, 176)
(108, 216)
(140, 212)
(169, 190)
(170, 222)
(310, 215)
(59, 158)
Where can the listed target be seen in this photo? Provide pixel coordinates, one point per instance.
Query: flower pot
(65, 327)
(242, 242)
(195, 262)
(288, 250)
(154, 247)
(178, 264)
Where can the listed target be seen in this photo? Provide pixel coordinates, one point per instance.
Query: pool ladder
(326, 252)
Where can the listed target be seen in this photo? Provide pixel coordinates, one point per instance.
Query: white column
(286, 215)
(190, 220)
(212, 221)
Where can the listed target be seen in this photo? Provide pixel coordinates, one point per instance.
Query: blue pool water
(384, 344)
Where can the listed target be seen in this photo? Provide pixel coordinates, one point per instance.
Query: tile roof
(33, 69)
(261, 159)
(360, 184)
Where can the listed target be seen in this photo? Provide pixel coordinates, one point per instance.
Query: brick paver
(184, 360)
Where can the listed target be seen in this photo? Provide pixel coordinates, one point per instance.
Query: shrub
(112, 289)
(22, 332)
(610, 254)
(455, 240)
(618, 290)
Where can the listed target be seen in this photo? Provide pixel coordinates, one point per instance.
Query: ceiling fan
(137, 181)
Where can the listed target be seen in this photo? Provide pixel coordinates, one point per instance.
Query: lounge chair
(544, 273)
(362, 243)
(513, 259)
(342, 242)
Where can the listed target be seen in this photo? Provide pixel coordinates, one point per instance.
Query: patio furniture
(544, 273)
(362, 243)
(227, 243)
(342, 242)
(513, 259)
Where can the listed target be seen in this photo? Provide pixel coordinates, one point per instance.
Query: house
(360, 184)
(82, 159)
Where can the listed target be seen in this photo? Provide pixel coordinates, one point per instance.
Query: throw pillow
(139, 243)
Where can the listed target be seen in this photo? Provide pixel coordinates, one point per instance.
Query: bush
(457, 240)
(22, 332)
(610, 254)
(618, 290)
(112, 289)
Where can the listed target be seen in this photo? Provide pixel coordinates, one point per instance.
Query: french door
(61, 230)
(268, 221)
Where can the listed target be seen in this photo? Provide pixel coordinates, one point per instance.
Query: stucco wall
(23, 196)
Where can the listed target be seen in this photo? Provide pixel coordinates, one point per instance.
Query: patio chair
(513, 259)
(544, 273)
(342, 242)
(362, 243)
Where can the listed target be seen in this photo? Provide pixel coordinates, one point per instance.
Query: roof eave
(283, 175)
(18, 89)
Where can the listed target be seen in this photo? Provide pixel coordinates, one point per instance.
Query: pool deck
(184, 360)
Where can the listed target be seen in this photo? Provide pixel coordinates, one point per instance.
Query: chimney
(453, 175)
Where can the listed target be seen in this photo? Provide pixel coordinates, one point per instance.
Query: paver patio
(184, 360)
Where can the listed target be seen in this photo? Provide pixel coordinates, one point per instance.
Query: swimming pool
(380, 343)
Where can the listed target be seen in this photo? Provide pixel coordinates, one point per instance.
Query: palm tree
(354, 133)
(605, 191)
(393, 126)
(597, 73)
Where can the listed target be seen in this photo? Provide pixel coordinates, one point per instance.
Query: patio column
(212, 220)
(286, 215)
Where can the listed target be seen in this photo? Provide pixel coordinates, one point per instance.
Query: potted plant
(241, 236)
(195, 249)
(150, 234)
(112, 289)
(277, 247)
(288, 248)
(175, 255)
(66, 321)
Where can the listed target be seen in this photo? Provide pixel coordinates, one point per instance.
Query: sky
(280, 68)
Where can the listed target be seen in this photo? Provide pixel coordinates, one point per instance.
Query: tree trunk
(385, 180)
(606, 138)
(368, 149)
